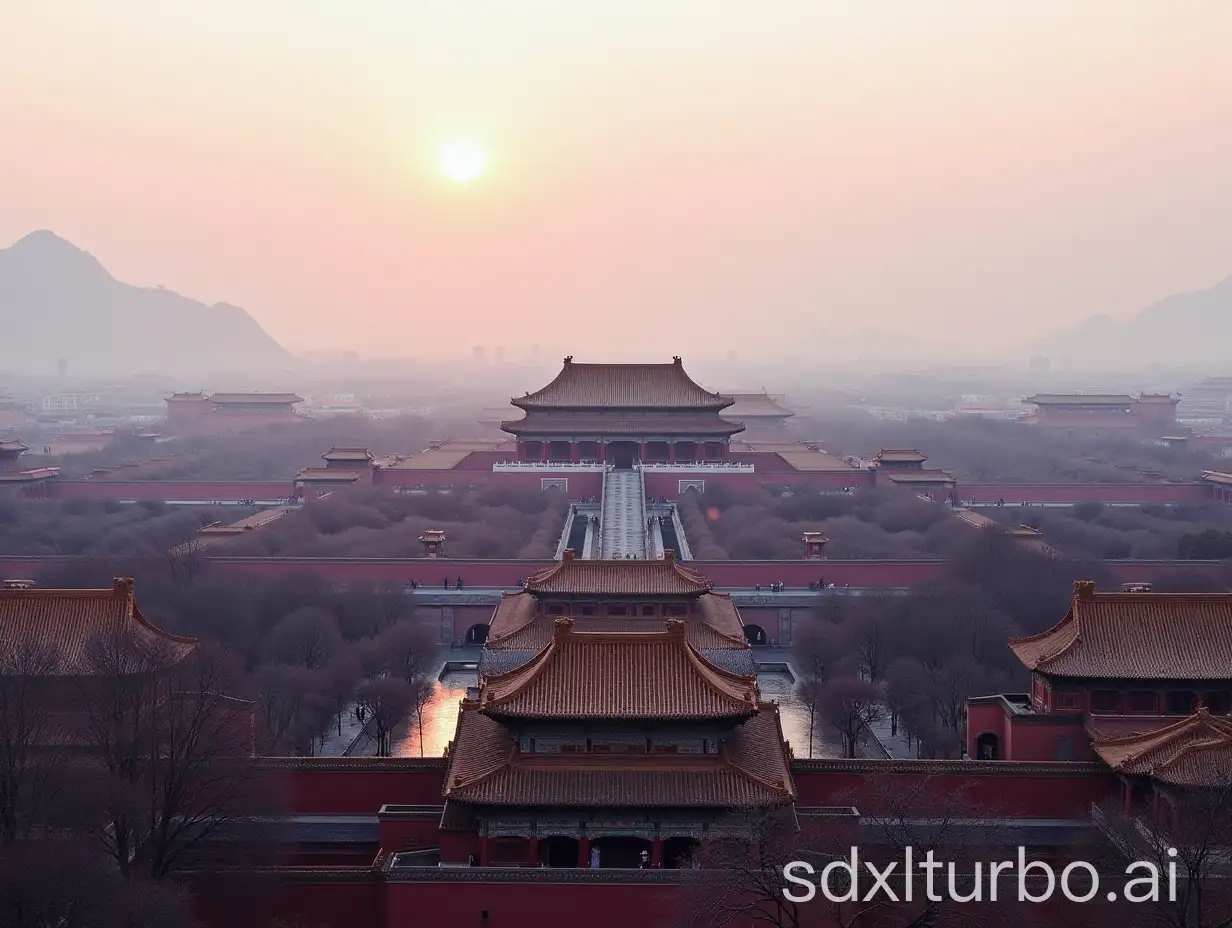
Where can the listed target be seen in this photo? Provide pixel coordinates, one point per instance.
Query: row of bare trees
(121, 758)
(913, 660)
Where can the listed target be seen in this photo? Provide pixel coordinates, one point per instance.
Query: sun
(461, 161)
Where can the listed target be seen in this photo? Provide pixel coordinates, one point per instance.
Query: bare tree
(742, 882)
(850, 706)
(744, 879)
(1191, 831)
(65, 883)
(409, 650)
(27, 730)
(307, 637)
(282, 693)
(384, 702)
(173, 752)
(187, 559)
(340, 677)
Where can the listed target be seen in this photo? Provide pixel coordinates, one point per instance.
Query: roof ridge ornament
(1084, 589)
(562, 628)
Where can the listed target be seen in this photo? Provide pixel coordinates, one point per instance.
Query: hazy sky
(663, 177)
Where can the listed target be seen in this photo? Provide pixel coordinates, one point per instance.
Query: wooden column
(671, 451)
(547, 447)
(656, 852)
(573, 451)
(532, 851)
(583, 852)
(602, 450)
(483, 850)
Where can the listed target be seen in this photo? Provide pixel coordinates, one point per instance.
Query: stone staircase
(623, 528)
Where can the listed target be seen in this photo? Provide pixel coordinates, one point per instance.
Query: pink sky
(723, 174)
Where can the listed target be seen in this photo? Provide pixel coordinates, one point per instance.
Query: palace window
(616, 610)
(588, 610)
(649, 610)
(1145, 701)
(1179, 702)
(1068, 701)
(1105, 701)
(556, 609)
(675, 609)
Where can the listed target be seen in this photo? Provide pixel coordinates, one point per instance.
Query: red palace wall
(496, 573)
(579, 484)
(1028, 738)
(533, 905)
(1049, 790)
(356, 786)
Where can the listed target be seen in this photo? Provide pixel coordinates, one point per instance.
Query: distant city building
(1208, 402)
(67, 402)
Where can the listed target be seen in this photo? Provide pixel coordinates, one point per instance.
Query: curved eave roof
(623, 386)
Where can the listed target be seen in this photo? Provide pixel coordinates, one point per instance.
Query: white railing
(721, 466)
(549, 466)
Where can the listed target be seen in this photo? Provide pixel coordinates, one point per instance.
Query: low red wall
(1049, 790)
(328, 903)
(170, 489)
(1013, 494)
(532, 905)
(357, 786)
(506, 573)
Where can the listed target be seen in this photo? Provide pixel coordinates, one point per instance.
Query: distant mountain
(1186, 330)
(58, 302)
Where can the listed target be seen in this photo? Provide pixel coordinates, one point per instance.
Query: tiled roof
(11, 445)
(347, 454)
(651, 577)
(68, 621)
(276, 398)
(1142, 636)
(538, 422)
(1080, 399)
(518, 625)
(619, 675)
(1196, 751)
(901, 455)
(756, 405)
(751, 769)
(626, 386)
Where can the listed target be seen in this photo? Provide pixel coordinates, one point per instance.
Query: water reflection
(440, 717)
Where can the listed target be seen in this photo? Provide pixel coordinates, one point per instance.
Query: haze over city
(383, 177)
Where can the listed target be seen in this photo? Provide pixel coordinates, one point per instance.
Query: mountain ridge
(1191, 328)
(57, 301)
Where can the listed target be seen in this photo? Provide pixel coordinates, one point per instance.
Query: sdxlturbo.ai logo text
(1022, 880)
